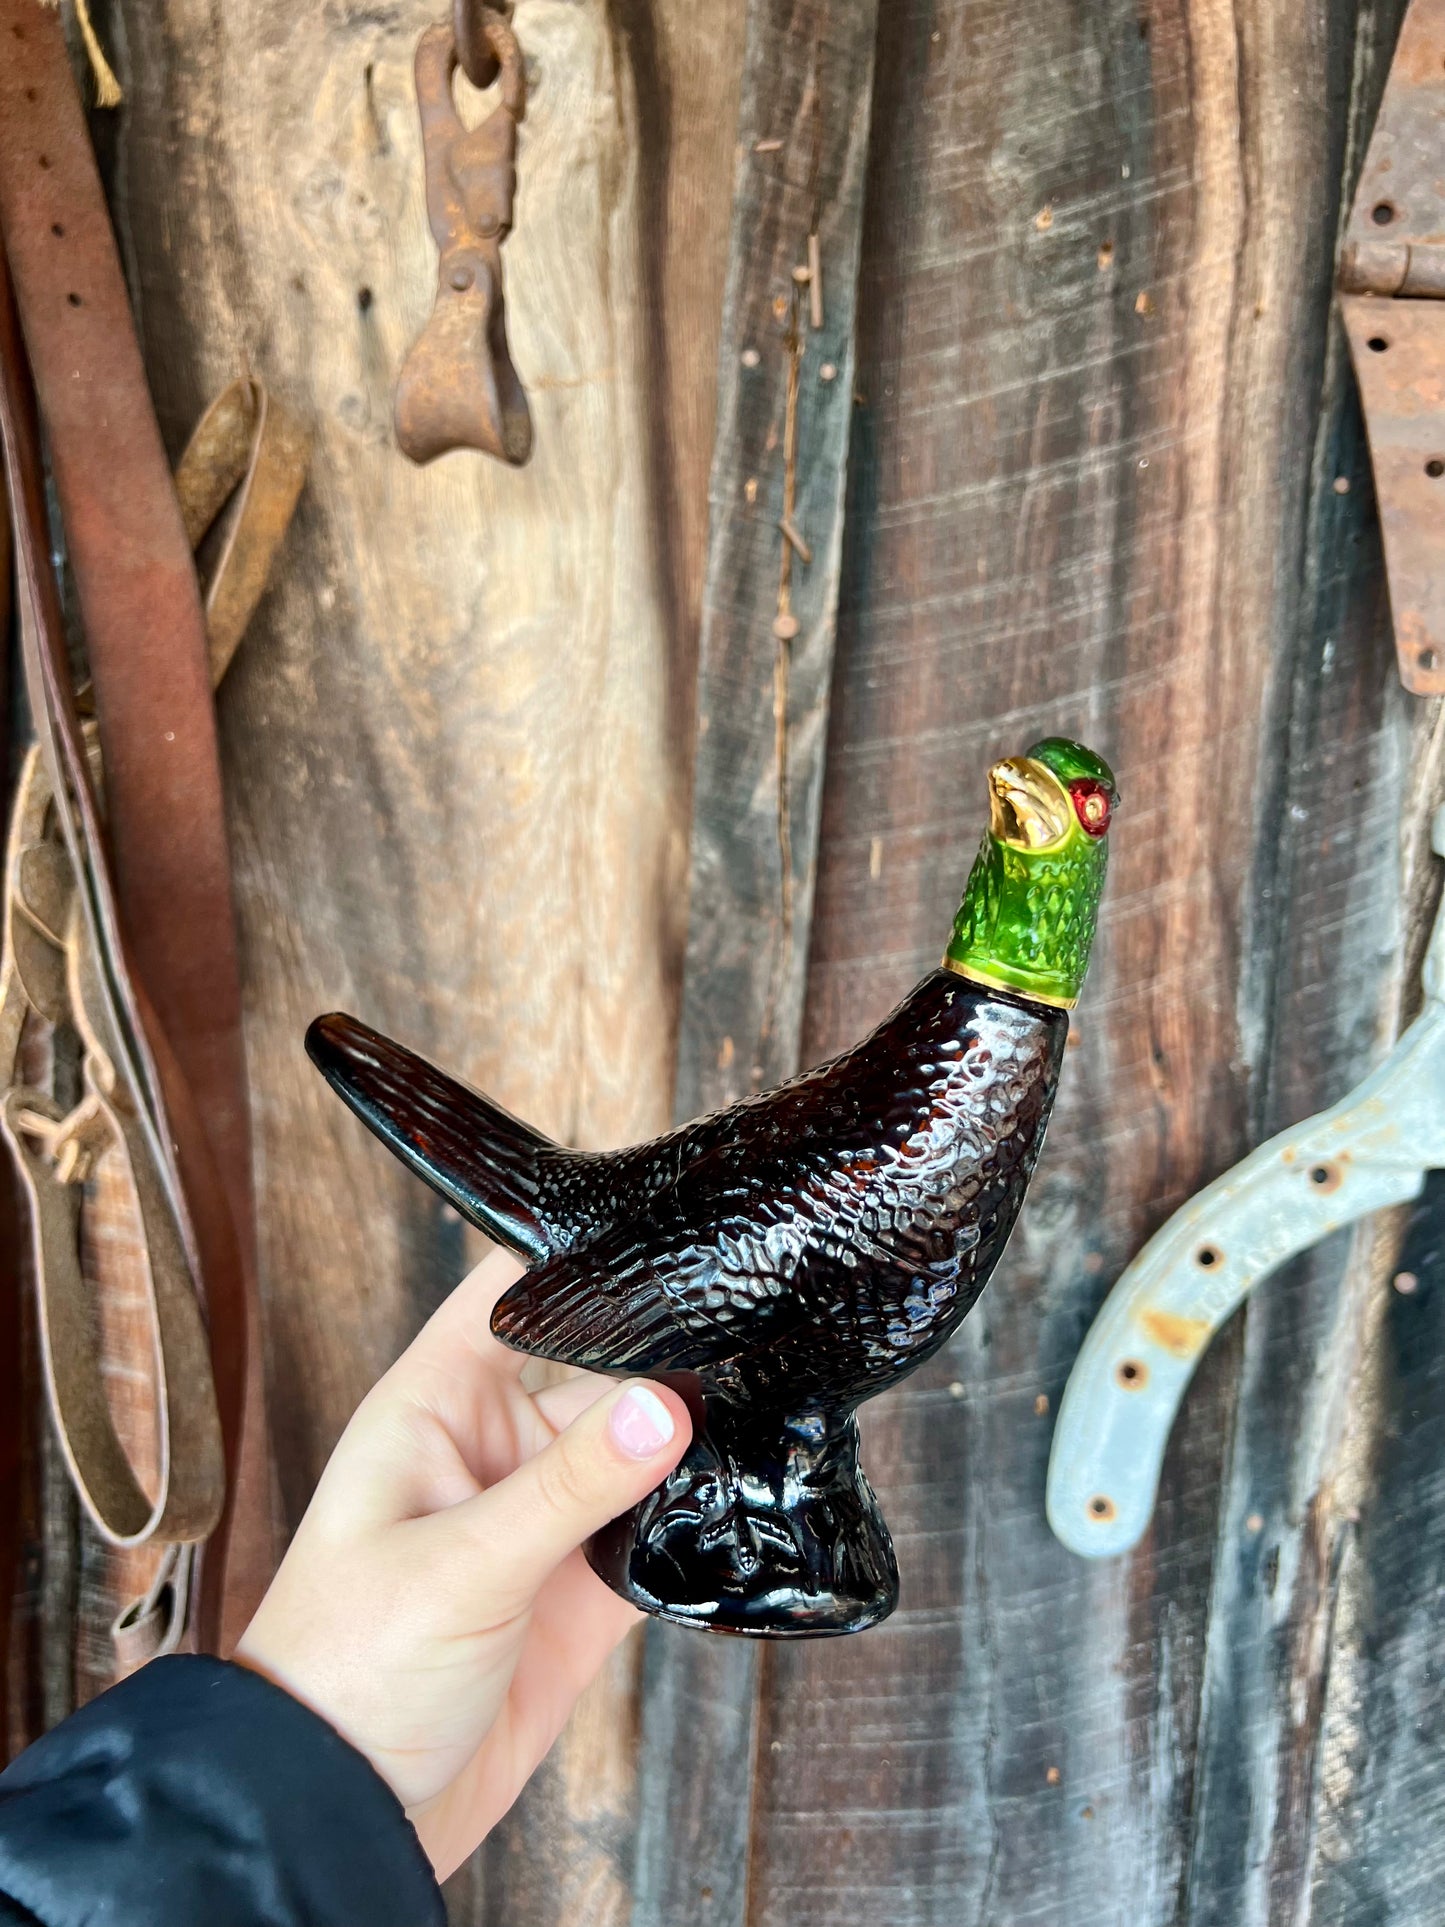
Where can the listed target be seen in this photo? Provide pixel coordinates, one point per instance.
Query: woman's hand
(434, 1605)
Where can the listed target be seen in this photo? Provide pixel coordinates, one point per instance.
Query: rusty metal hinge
(1392, 299)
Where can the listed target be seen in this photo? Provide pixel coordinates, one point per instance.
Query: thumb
(519, 1531)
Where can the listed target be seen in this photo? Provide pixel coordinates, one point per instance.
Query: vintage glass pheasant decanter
(798, 1252)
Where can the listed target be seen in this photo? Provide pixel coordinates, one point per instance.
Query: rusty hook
(458, 387)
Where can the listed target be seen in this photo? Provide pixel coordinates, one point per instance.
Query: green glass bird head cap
(1027, 918)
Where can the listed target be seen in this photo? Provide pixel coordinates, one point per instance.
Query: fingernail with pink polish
(641, 1423)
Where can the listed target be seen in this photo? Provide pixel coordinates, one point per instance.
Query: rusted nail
(1105, 255)
(795, 540)
(1143, 302)
(1041, 1405)
(1044, 219)
(1406, 1283)
(815, 282)
(828, 371)
(785, 626)
(750, 357)
(766, 147)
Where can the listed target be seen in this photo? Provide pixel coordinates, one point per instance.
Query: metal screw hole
(1101, 1507)
(1378, 344)
(1435, 467)
(1132, 1374)
(1208, 1256)
(1382, 213)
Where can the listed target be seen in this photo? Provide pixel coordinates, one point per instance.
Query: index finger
(463, 1322)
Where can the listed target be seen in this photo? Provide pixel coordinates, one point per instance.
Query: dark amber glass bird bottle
(800, 1251)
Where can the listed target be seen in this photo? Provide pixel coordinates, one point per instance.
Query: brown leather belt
(153, 883)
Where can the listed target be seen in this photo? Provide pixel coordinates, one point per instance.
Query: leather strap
(58, 872)
(173, 981)
(245, 441)
(154, 1624)
(12, 1331)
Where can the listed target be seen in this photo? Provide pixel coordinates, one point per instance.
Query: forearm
(198, 1791)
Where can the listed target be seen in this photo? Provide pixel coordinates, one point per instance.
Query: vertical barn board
(784, 411)
(457, 788)
(1093, 490)
(1324, 1615)
(1039, 538)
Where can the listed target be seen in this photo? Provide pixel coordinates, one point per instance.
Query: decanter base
(768, 1530)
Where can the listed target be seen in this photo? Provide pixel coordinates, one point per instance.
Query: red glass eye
(1092, 806)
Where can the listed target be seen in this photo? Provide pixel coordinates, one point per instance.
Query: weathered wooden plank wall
(1106, 476)
(457, 739)
(1104, 410)
(785, 369)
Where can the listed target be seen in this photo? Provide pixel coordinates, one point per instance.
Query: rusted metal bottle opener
(1370, 1150)
(458, 387)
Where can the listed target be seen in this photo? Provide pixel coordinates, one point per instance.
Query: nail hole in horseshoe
(1132, 1374)
(1208, 1256)
(1100, 1507)
(1378, 344)
(1382, 213)
(1326, 1176)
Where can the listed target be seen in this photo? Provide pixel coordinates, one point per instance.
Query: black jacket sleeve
(196, 1792)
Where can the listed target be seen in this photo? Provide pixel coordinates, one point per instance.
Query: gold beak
(1028, 807)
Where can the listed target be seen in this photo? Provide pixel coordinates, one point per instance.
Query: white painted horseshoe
(1372, 1149)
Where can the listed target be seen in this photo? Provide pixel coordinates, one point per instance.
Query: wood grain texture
(769, 610)
(1094, 489)
(769, 613)
(456, 770)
